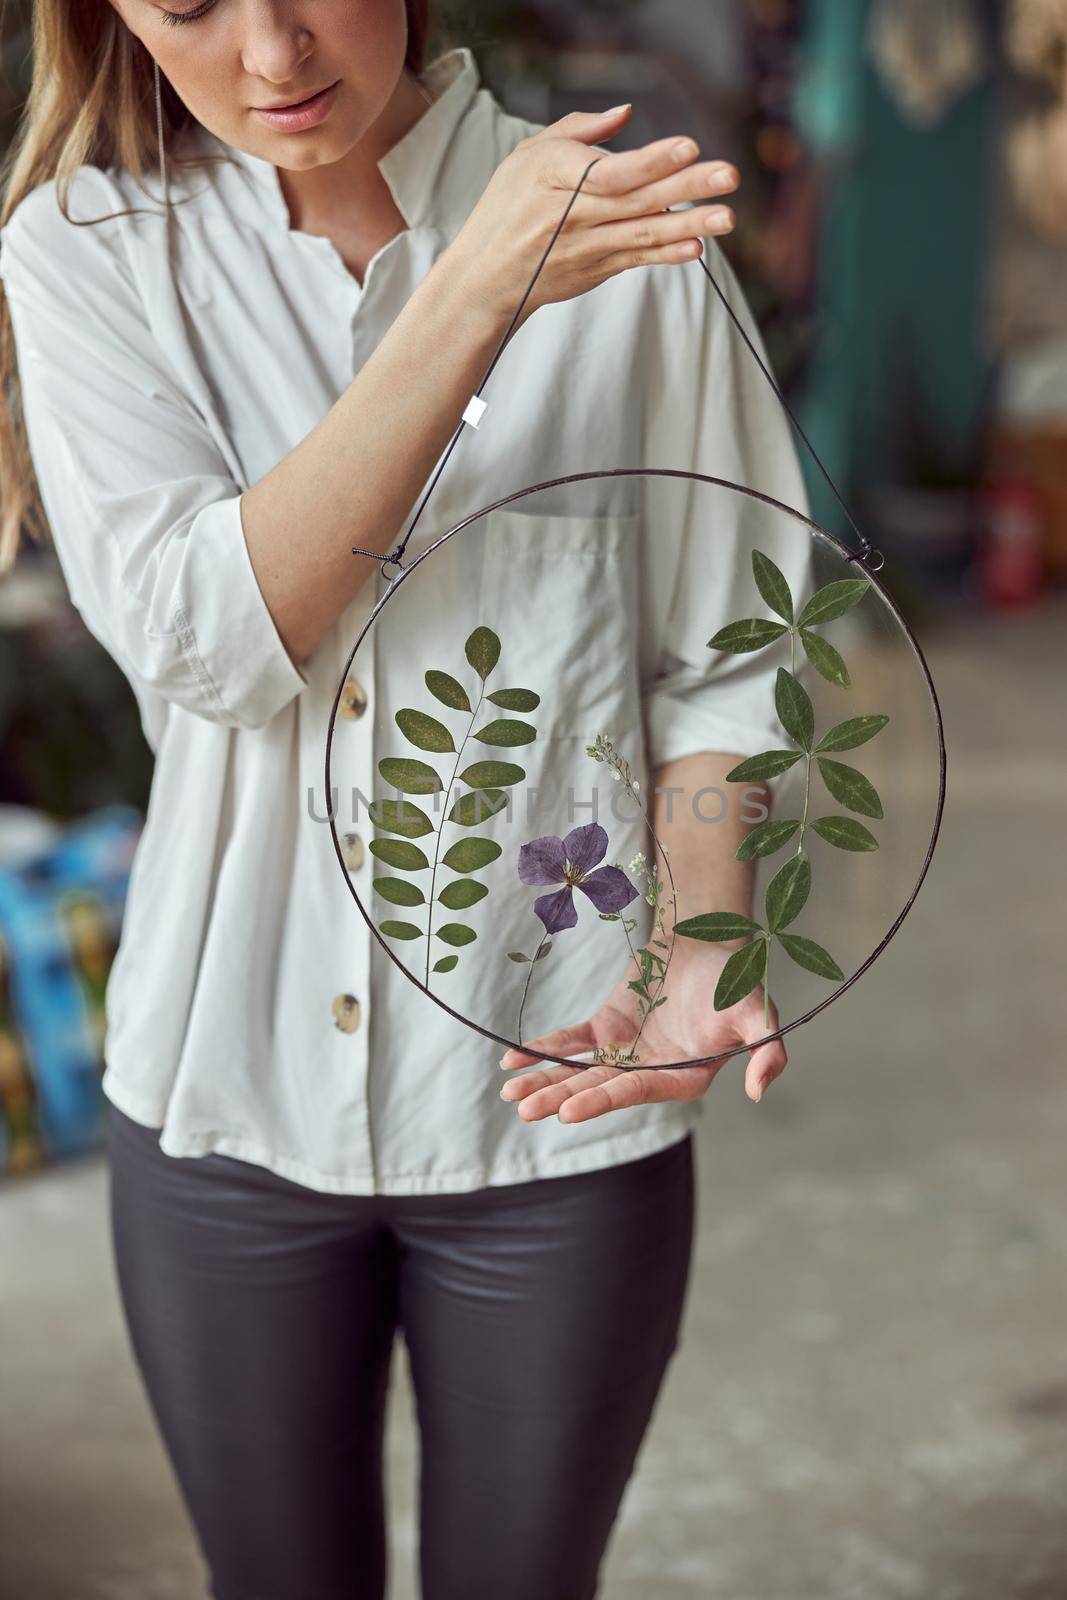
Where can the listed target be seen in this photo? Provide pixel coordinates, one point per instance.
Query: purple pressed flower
(570, 861)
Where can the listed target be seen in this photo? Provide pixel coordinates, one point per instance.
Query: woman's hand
(619, 220)
(687, 1027)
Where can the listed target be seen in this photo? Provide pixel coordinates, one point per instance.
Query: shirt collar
(413, 167)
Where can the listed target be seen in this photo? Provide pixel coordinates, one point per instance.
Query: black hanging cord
(866, 548)
(395, 558)
(864, 553)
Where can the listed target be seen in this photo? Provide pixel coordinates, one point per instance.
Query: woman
(224, 388)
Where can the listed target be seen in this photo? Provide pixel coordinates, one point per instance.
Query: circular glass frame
(405, 574)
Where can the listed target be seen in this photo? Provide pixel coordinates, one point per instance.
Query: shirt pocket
(561, 593)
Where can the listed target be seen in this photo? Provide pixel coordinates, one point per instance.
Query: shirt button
(353, 699)
(346, 1012)
(353, 852)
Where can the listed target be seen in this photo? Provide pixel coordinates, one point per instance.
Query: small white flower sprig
(653, 964)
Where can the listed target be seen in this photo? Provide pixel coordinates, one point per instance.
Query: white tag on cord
(476, 409)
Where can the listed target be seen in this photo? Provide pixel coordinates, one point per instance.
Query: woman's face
(231, 59)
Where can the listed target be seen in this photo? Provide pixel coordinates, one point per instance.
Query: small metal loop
(390, 561)
(865, 555)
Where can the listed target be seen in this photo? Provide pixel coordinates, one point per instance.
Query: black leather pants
(539, 1318)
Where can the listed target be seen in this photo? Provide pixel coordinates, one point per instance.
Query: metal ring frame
(719, 483)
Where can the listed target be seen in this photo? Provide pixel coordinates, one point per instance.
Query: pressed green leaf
(482, 651)
(456, 933)
(765, 840)
(506, 731)
(771, 583)
(517, 955)
(400, 930)
(399, 854)
(410, 777)
(470, 809)
(741, 973)
(713, 926)
(825, 659)
(445, 688)
(492, 774)
(461, 894)
(399, 891)
(542, 953)
(768, 764)
(515, 699)
(806, 953)
(845, 832)
(445, 964)
(751, 633)
(426, 733)
(399, 816)
(832, 601)
(850, 787)
(787, 892)
(856, 731)
(795, 710)
(469, 855)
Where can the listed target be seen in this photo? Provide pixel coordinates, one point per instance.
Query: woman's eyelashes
(172, 17)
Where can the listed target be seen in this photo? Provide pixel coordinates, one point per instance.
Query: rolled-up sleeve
(713, 413)
(144, 515)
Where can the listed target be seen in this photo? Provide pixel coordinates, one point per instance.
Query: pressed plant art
(654, 959)
(486, 780)
(574, 863)
(568, 861)
(788, 891)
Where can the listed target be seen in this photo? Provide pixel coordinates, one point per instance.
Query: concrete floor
(870, 1402)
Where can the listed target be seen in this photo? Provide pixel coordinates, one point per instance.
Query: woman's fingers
(589, 127)
(551, 1083)
(764, 1065)
(542, 1094)
(768, 1061)
(579, 1096)
(620, 172)
(637, 242)
(705, 180)
(567, 1041)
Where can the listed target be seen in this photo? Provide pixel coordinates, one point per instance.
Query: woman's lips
(308, 114)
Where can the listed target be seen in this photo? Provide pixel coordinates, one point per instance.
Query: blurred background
(871, 1395)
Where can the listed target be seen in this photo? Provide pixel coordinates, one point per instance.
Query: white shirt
(250, 1011)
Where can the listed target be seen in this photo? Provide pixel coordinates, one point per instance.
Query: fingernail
(721, 217)
(616, 109)
(503, 1068)
(684, 150)
(759, 1092)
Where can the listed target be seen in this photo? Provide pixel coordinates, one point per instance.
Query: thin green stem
(807, 802)
(526, 986)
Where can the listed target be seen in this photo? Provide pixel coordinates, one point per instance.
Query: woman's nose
(275, 46)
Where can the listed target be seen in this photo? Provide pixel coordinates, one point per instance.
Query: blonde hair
(91, 102)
